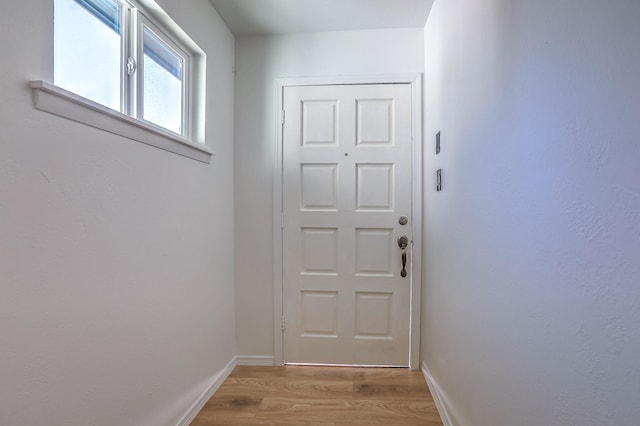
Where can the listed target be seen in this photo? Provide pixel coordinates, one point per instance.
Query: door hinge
(282, 323)
(282, 220)
(281, 116)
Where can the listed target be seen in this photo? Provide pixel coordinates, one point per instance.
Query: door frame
(415, 80)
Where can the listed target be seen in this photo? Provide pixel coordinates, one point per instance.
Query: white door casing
(347, 180)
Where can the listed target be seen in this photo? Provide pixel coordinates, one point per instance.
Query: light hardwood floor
(326, 396)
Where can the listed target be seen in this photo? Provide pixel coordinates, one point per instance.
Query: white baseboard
(216, 382)
(438, 396)
(255, 360)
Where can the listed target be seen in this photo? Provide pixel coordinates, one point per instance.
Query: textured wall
(531, 309)
(260, 60)
(116, 258)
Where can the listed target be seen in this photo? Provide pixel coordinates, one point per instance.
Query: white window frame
(129, 122)
(181, 51)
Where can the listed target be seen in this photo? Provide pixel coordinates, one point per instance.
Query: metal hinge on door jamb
(282, 322)
(282, 117)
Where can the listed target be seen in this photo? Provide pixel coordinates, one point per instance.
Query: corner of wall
(214, 384)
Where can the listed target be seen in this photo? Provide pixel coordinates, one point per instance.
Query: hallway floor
(295, 395)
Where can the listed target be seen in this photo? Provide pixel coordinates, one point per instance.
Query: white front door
(346, 194)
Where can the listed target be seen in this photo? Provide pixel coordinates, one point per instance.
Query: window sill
(55, 100)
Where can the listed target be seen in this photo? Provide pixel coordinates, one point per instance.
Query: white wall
(531, 309)
(259, 61)
(116, 258)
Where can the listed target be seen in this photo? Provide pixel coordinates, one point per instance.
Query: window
(87, 50)
(114, 52)
(162, 81)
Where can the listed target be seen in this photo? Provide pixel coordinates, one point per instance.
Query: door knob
(403, 242)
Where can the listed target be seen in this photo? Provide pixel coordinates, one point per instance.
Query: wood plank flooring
(328, 396)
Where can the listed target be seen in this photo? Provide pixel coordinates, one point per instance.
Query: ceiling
(264, 17)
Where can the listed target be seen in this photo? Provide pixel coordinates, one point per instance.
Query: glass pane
(87, 49)
(162, 98)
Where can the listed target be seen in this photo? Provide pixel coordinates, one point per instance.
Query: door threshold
(315, 364)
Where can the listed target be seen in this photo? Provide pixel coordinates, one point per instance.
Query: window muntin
(87, 49)
(110, 52)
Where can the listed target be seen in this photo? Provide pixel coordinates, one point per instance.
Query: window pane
(162, 97)
(87, 49)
